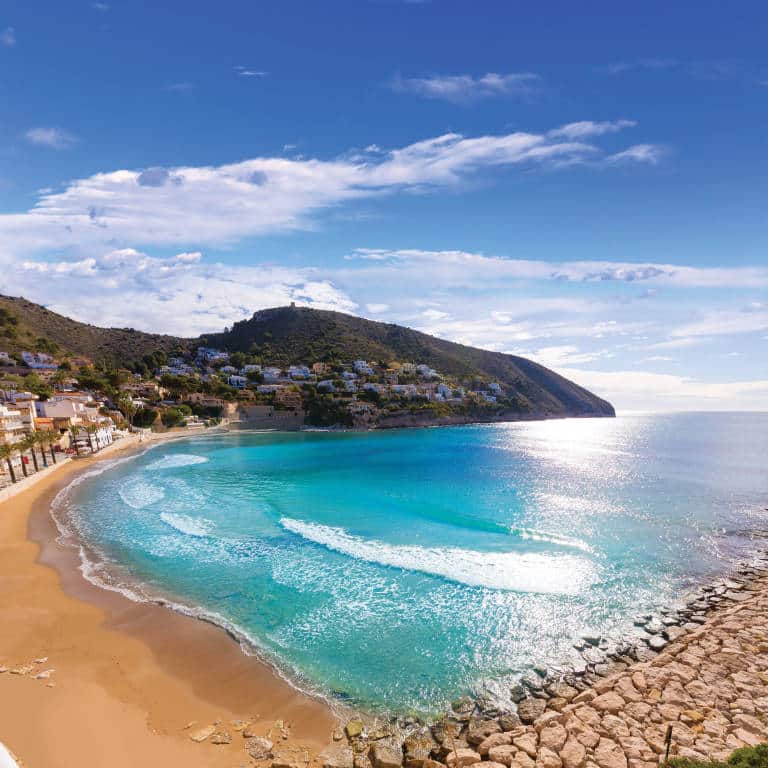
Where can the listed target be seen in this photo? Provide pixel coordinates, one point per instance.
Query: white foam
(512, 571)
(191, 526)
(139, 493)
(531, 534)
(175, 460)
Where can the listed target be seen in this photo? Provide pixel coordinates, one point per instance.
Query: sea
(392, 571)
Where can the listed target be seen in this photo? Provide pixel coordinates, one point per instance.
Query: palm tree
(6, 453)
(40, 440)
(47, 439)
(28, 443)
(73, 434)
(90, 430)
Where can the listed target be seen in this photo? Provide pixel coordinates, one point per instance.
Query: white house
(327, 385)
(272, 374)
(426, 372)
(39, 360)
(362, 367)
(299, 372)
(407, 390)
(238, 382)
(494, 388)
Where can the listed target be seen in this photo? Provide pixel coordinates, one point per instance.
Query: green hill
(294, 334)
(25, 325)
(288, 335)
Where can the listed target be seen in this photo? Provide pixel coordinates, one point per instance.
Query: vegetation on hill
(293, 334)
(289, 335)
(25, 325)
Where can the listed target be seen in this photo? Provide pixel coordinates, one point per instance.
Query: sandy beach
(132, 683)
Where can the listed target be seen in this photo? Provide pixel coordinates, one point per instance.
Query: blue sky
(584, 186)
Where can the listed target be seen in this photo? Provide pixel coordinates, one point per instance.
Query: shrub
(746, 757)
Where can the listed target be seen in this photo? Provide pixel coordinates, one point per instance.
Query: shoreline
(161, 675)
(135, 673)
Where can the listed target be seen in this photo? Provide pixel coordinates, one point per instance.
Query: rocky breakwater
(701, 669)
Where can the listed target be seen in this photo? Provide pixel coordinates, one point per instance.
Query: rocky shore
(701, 670)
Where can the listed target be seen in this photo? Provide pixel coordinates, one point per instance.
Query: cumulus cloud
(217, 205)
(464, 89)
(50, 137)
(179, 294)
(8, 37)
(586, 128)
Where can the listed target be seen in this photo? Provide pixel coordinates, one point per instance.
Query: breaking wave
(511, 571)
(190, 526)
(176, 460)
(139, 493)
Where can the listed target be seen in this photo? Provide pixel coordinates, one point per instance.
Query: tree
(73, 435)
(39, 440)
(127, 407)
(47, 439)
(28, 443)
(6, 455)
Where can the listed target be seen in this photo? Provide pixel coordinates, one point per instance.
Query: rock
(22, 669)
(521, 760)
(494, 740)
(561, 690)
(337, 734)
(221, 737)
(546, 758)
(528, 743)
(354, 728)
(259, 748)
(464, 705)
(338, 757)
(509, 721)
(432, 764)
(530, 709)
(553, 737)
(608, 754)
(591, 639)
(503, 753)
(749, 738)
(446, 729)
(239, 725)
(457, 759)
(203, 733)
(673, 633)
(573, 754)
(517, 693)
(479, 732)
(608, 702)
(656, 643)
(362, 761)
(532, 681)
(418, 748)
(291, 758)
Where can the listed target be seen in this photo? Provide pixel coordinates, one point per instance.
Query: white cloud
(250, 72)
(585, 128)
(639, 153)
(464, 89)
(746, 320)
(216, 205)
(8, 37)
(645, 390)
(50, 137)
(180, 294)
(498, 267)
(377, 309)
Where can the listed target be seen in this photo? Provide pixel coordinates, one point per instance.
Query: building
(494, 388)
(236, 381)
(326, 386)
(299, 372)
(211, 355)
(362, 367)
(5, 359)
(320, 368)
(289, 399)
(39, 361)
(426, 372)
(272, 374)
(11, 426)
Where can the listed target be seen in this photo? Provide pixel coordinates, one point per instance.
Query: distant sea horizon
(395, 570)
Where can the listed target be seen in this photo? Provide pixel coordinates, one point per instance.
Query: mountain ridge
(286, 335)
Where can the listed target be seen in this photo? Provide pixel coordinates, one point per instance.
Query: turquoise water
(395, 570)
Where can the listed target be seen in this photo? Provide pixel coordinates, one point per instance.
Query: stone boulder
(338, 757)
(461, 758)
(384, 755)
(259, 748)
(531, 709)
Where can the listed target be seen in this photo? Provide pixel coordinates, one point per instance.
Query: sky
(583, 185)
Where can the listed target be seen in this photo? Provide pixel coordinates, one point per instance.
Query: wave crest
(510, 571)
(190, 526)
(176, 460)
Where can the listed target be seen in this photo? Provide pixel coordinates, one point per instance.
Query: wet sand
(128, 677)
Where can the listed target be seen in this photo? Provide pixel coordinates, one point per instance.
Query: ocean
(395, 570)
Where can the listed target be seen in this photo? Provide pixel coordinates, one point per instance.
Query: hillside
(288, 335)
(25, 325)
(292, 334)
